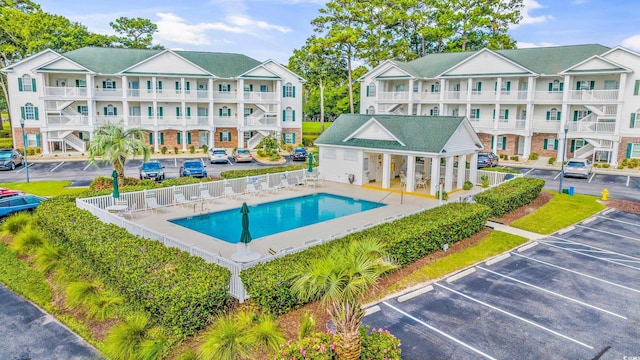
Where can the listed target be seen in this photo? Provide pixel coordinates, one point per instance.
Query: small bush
(6, 143)
(163, 150)
(27, 241)
(484, 179)
(175, 150)
(620, 167)
(15, 223)
(467, 185)
(31, 151)
(261, 153)
(192, 149)
(511, 195)
(204, 148)
(624, 162)
(445, 196)
(606, 166)
(233, 174)
(533, 156)
(274, 157)
(307, 141)
(552, 160)
(514, 158)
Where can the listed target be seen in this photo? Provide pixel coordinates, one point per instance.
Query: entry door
(520, 144)
(203, 138)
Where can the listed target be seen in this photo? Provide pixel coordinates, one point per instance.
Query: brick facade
(537, 145)
(622, 149)
(18, 142)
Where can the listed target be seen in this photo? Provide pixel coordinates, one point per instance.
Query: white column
(448, 174)
(125, 87)
(435, 176)
(411, 173)
(494, 148)
(125, 113)
(210, 89)
(91, 105)
(240, 89)
(212, 141)
(527, 146)
(240, 138)
(386, 171)
(156, 143)
(183, 90)
(469, 87)
(44, 141)
(473, 168)
(154, 86)
(184, 140)
(462, 166)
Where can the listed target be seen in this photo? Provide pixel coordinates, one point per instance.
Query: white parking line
(86, 167)
(515, 316)
(595, 247)
(527, 173)
(553, 293)
(55, 167)
(616, 220)
(591, 178)
(477, 351)
(557, 175)
(609, 233)
(587, 255)
(628, 179)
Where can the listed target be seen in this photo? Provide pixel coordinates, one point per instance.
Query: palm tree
(115, 144)
(340, 280)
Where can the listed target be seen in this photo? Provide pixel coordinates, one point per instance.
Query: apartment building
(181, 98)
(520, 101)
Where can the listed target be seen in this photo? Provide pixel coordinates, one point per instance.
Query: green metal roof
(115, 60)
(541, 60)
(425, 134)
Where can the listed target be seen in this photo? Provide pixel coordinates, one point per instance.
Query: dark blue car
(13, 204)
(194, 168)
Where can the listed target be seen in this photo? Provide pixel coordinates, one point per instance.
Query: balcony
(393, 96)
(198, 121)
(548, 96)
(482, 124)
(513, 96)
(592, 127)
(455, 95)
(228, 121)
(483, 95)
(593, 96)
(65, 92)
(428, 96)
(517, 124)
(196, 94)
(108, 93)
(67, 121)
(256, 96)
(112, 120)
(224, 95)
(261, 121)
(170, 121)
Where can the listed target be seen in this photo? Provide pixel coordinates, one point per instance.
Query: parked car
(10, 158)
(8, 192)
(218, 155)
(578, 167)
(242, 155)
(487, 160)
(194, 168)
(152, 170)
(299, 154)
(13, 204)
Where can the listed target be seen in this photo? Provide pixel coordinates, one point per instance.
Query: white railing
(198, 120)
(225, 121)
(546, 125)
(495, 178)
(394, 95)
(592, 127)
(76, 142)
(511, 124)
(114, 120)
(593, 95)
(426, 96)
(58, 120)
(108, 93)
(133, 93)
(64, 91)
(255, 140)
(170, 120)
(217, 95)
(57, 105)
(548, 95)
(513, 95)
(455, 95)
(583, 151)
(260, 121)
(483, 95)
(169, 94)
(259, 96)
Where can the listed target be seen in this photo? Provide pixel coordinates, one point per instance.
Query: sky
(272, 29)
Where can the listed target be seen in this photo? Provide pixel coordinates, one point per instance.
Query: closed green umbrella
(116, 192)
(245, 237)
(310, 169)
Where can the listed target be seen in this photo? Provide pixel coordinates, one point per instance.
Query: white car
(578, 167)
(218, 155)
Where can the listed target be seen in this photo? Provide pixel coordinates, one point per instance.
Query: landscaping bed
(623, 205)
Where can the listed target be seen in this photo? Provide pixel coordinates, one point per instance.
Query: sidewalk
(543, 164)
(515, 231)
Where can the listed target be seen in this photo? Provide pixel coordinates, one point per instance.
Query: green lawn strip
(495, 243)
(314, 126)
(561, 211)
(44, 188)
(21, 278)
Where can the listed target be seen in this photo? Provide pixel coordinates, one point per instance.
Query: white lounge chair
(284, 184)
(205, 195)
(251, 189)
(180, 199)
(229, 192)
(151, 203)
(265, 187)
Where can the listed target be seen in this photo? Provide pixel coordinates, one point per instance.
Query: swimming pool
(277, 216)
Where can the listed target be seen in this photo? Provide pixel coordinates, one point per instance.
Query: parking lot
(572, 295)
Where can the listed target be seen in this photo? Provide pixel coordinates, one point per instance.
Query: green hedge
(179, 290)
(501, 170)
(6, 143)
(233, 174)
(510, 195)
(407, 239)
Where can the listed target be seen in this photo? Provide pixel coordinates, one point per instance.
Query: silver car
(218, 155)
(578, 167)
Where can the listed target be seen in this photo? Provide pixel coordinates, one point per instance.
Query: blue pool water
(274, 217)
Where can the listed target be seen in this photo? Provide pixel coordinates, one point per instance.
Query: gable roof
(115, 60)
(541, 60)
(425, 134)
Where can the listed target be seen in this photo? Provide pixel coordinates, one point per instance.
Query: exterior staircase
(256, 138)
(68, 139)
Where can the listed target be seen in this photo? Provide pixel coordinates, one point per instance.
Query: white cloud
(527, 18)
(632, 42)
(525, 45)
(175, 29)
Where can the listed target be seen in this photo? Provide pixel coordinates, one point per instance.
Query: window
(331, 154)
(502, 143)
(435, 111)
(585, 85)
(225, 136)
(635, 120)
(224, 87)
(504, 114)
(455, 112)
(109, 84)
(178, 111)
(400, 88)
(553, 114)
(505, 87)
(556, 86)
(26, 83)
(160, 112)
(248, 87)
(436, 87)
(29, 112)
(81, 83)
(159, 86)
(371, 110)
(289, 90)
(371, 89)
(475, 114)
(264, 88)
(550, 144)
(415, 87)
(109, 110)
(225, 111)
(289, 138)
(83, 110)
(633, 151)
(289, 114)
(477, 87)
(178, 87)
(33, 140)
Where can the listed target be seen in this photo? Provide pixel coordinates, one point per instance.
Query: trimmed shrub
(408, 239)
(204, 148)
(307, 141)
(624, 162)
(514, 158)
(104, 182)
(233, 174)
(181, 291)
(510, 195)
(484, 179)
(192, 149)
(183, 180)
(163, 150)
(533, 156)
(175, 150)
(634, 163)
(445, 196)
(552, 160)
(501, 170)
(467, 185)
(6, 143)
(606, 166)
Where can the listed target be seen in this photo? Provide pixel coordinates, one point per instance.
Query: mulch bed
(624, 205)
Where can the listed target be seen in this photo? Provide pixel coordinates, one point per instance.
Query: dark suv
(487, 159)
(299, 154)
(193, 168)
(10, 158)
(152, 170)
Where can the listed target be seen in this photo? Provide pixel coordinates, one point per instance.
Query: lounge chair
(265, 187)
(251, 189)
(284, 184)
(180, 199)
(205, 195)
(151, 203)
(229, 192)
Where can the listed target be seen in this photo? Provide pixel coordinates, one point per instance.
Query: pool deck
(398, 204)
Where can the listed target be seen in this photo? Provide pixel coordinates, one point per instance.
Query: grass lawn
(18, 276)
(314, 126)
(495, 243)
(44, 188)
(561, 211)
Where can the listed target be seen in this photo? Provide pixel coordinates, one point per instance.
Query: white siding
(167, 63)
(338, 169)
(485, 63)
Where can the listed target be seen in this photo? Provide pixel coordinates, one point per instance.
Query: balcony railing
(57, 120)
(217, 95)
(225, 121)
(592, 127)
(170, 120)
(198, 121)
(395, 95)
(259, 96)
(102, 120)
(111, 93)
(483, 95)
(261, 121)
(428, 96)
(455, 95)
(548, 95)
(63, 91)
(593, 95)
(516, 124)
(513, 95)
